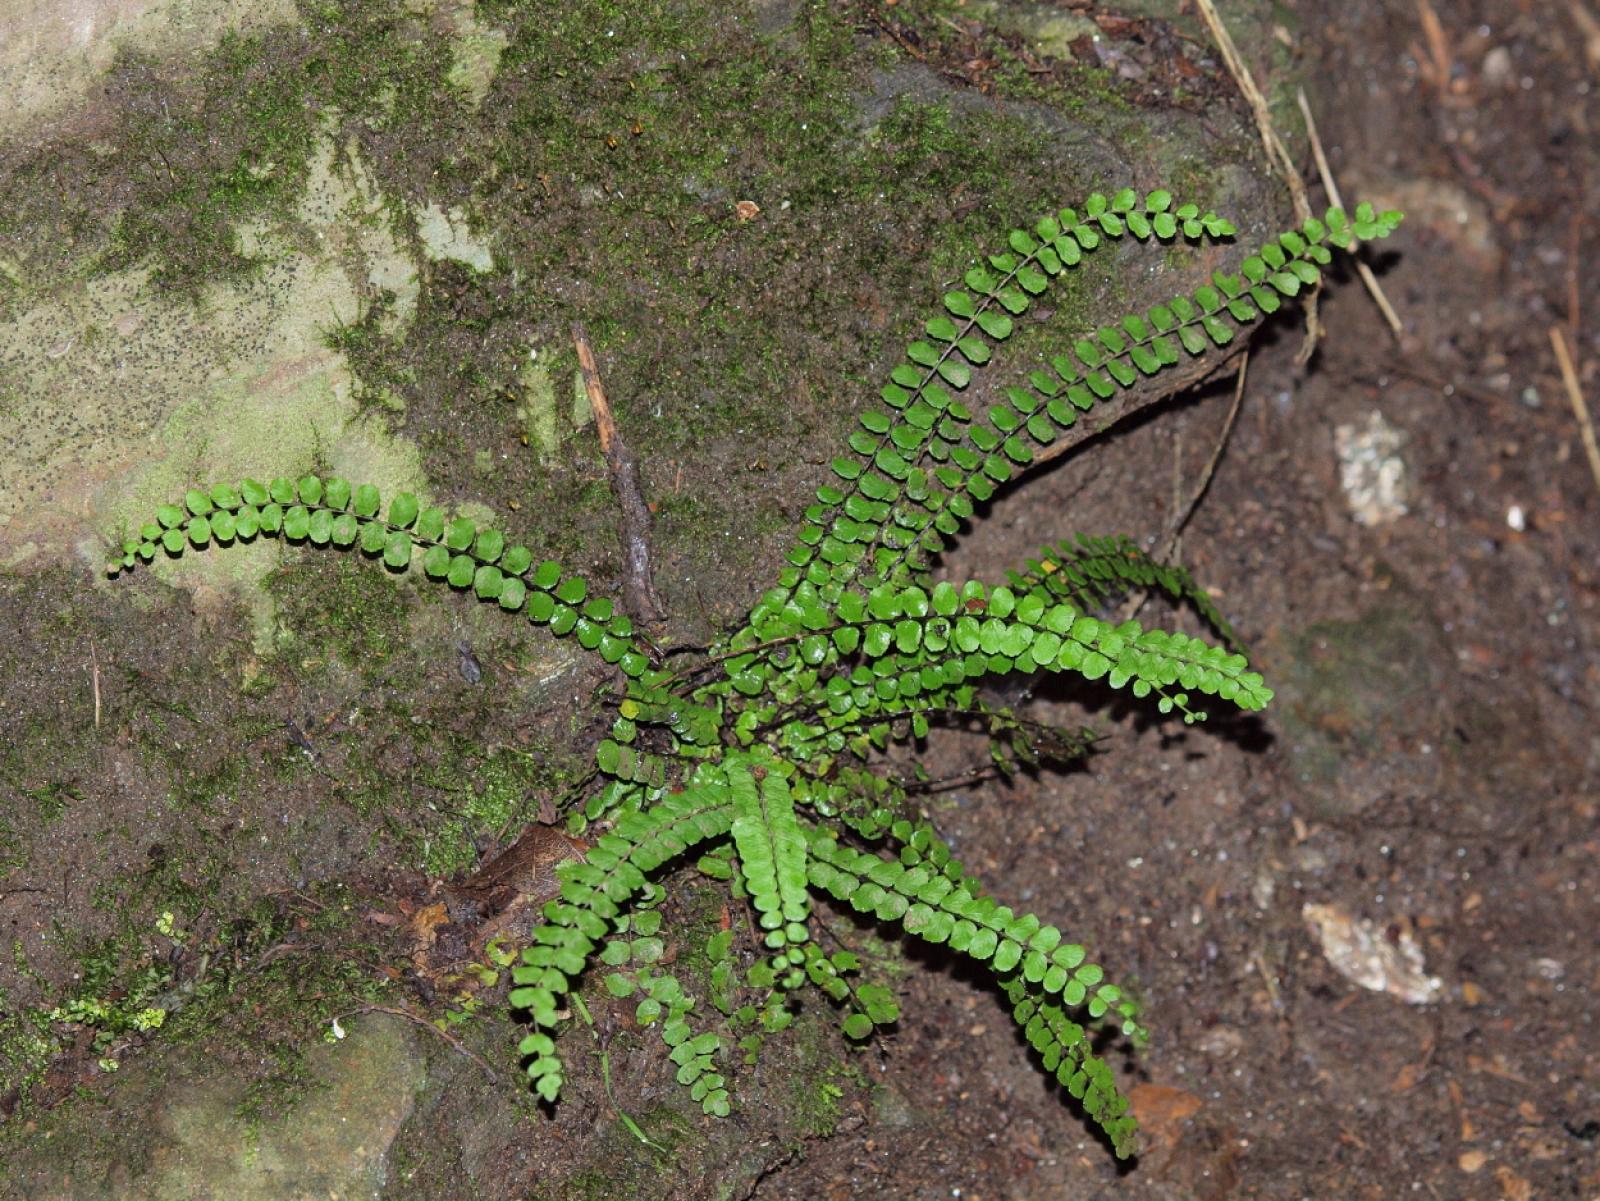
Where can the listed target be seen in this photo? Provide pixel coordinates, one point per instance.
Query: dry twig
(1276, 151)
(1580, 407)
(1439, 56)
(638, 579)
(1369, 280)
(1258, 105)
(1590, 28)
(94, 662)
(1169, 544)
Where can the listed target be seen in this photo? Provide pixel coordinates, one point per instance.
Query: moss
(822, 1081)
(234, 140)
(27, 1045)
(243, 1025)
(369, 346)
(329, 602)
(143, 978)
(1014, 52)
(51, 800)
(486, 798)
(254, 137)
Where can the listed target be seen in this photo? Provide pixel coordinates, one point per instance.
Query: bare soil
(1431, 761)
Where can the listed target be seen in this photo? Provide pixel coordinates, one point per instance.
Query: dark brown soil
(1430, 763)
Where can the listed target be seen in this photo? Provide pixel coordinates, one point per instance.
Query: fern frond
(667, 1006)
(950, 635)
(1015, 740)
(627, 763)
(593, 893)
(332, 512)
(1094, 571)
(867, 1007)
(997, 445)
(1064, 1049)
(771, 847)
(1053, 976)
(852, 514)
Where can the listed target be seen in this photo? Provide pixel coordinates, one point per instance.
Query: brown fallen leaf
(1512, 1186)
(1161, 1111)
(1406, 1078)
(425, 923)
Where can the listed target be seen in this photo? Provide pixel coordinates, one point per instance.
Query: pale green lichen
(168, 392)
(446, 234)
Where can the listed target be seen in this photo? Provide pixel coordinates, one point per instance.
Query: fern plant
(760, 759)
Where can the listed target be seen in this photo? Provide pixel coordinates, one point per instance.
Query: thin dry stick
(638, 579)
(1258, 105)
(1204, 484)
(1328, 182)
(1590, 27)
(1438, 44)
(1276, 151)
(1580, 407)
(1574, 259)
(1169, 544)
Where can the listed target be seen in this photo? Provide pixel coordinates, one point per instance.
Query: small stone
(467, 664)
(1221, 1042)
(1371, 470)
(1497, 67)
(1472, 1161)
(1380, 958)
(1262, 890)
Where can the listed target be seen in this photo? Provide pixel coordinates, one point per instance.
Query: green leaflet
(760, 761)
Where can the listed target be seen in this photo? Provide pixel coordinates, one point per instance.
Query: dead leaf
(1406, 1078)
(1161, 1111)
(1497, 1067)
(1512, 1186)
(426, 922)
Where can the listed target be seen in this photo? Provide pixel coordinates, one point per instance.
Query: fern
(760, 757)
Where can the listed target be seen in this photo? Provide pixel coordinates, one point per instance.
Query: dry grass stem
(1368, 279)
(1580, 407)
(1258, 106)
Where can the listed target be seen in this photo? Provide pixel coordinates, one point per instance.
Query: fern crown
(759, 759)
